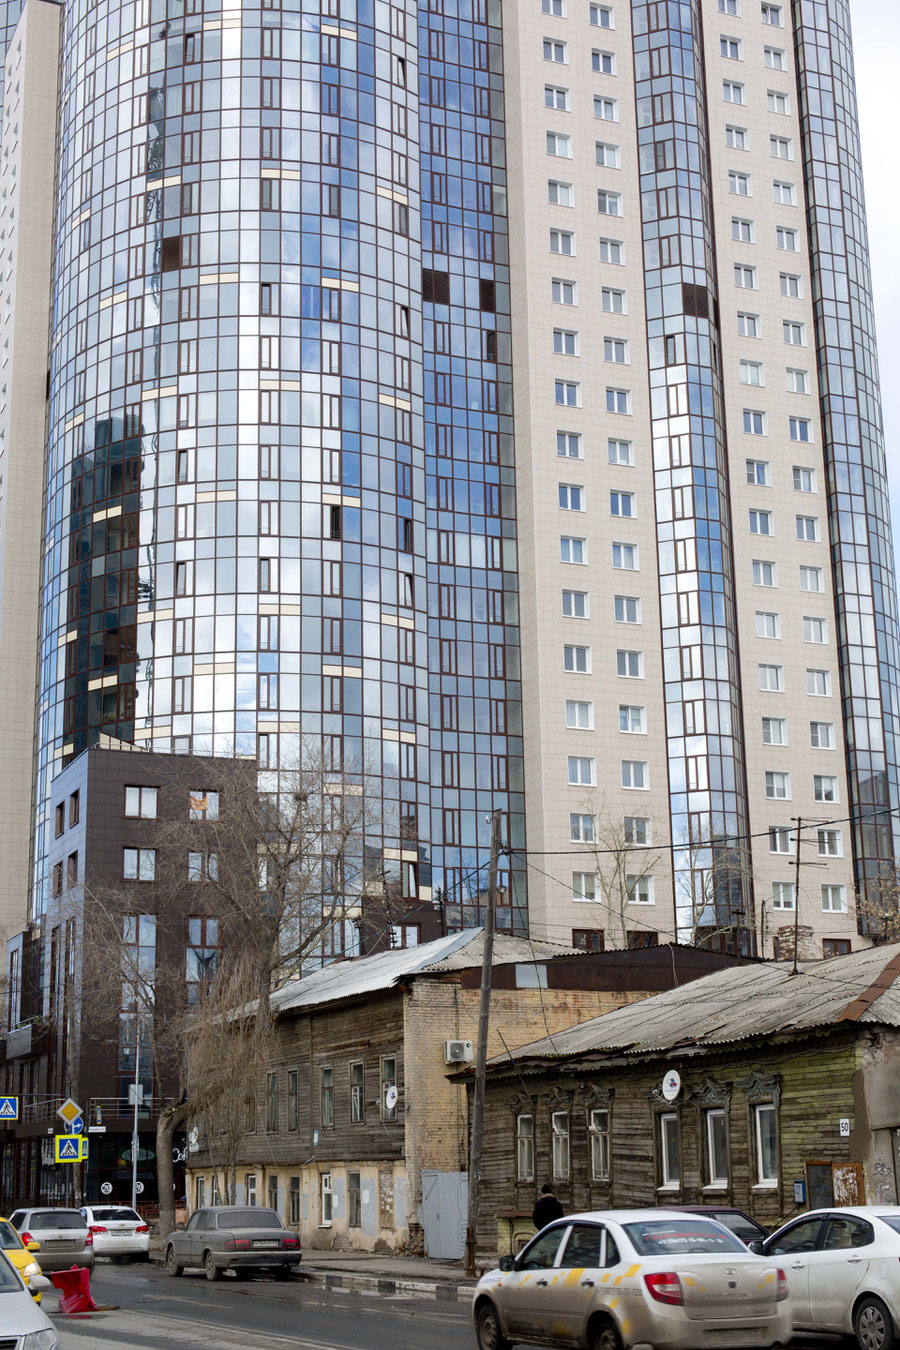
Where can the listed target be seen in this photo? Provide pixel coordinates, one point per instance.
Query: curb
(381, 1284)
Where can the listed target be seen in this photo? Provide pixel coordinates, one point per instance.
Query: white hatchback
(843, 1269)
(118, 1232)
(634, 1278)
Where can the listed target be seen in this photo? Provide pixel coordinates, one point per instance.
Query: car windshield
(680, 1237)
(10, 1283)
(9, 1238)
(116, 1215)
(249, 1218)
(56, 1218)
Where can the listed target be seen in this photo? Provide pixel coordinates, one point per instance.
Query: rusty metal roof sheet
(737, 1003)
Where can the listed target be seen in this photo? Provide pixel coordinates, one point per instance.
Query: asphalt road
(155, 1312)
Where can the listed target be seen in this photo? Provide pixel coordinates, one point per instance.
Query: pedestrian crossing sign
(9, 1108)
(71, 1148)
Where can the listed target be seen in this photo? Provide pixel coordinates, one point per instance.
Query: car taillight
(26, 1238)
(97, 1228)
(89, 1237)
(237, 1245)
(664, 1287)
(290, 1241)
(142, 1228)
(782, 1287)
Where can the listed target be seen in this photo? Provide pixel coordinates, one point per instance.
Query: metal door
(444, 1201)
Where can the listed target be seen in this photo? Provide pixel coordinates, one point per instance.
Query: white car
(843, 1270)
(633, 1278)
(22, 1323)
(118, 1232)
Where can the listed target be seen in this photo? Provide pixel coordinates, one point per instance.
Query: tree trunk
(171, 1119)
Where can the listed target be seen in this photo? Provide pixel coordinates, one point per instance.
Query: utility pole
(484, 1013)
(135, 1136)
(797, 892)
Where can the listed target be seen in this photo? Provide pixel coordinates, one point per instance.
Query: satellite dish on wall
(390, 1097)
(671, 1084)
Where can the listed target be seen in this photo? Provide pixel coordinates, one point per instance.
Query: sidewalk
(387, 1274)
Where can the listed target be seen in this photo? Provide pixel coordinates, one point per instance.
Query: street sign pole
(134, 1130)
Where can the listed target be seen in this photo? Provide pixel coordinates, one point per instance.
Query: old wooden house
(754, 1087)
(357, 1137)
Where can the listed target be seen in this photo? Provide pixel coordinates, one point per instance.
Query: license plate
(119, 1228)
(264, 1242)
(58, 1244)
(734, 1336)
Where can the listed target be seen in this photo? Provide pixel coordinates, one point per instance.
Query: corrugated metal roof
(367, 974)
(735, 1004)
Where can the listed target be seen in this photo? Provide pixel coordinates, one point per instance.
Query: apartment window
(525, 1148)
(612, 301)
(579, 714)
(808, 528)
(556, 8)
(716, 1134)
(563, 242)
(74, 804)
(388, 1080)
(612, 251)
(618, 400)
(772, 14)
(742, 230)
(632, 719)
(627, 609)
(804, 479)
(203, 805)
(602, 16)
(326, 1097)
(797, 381)
(606, 154)
(774, 58)
(778, 102)
(768, 625)
(326, 1197)
(635, 775)
(555, 51)
(830, 843)
(615, 349)
(748, 325)
(636, 829)
(782, 895)
(834, 899)
(791, 286)
(620, 452)
(567, 393)
(761, 522)
(606, 109)
(559, 1130)
(272, 1103)
(830, 947)
(556, 97)
(745, 277)
(560, 145)
(740, 184)
(141, 802)
(565, 342)
(568, 444)
(571, 497)
(639, 890)
(781, 147)
(572, 550)
(786, 239)
(755, 422)
(603, 63)
(821, 735)
(622, 504)
(630, 665)
(139, 864)
(778, 786)
(584, 886)
(560, 194)
(581, 828)
(669, 1152)
(598, 1129)
(732, 92)
(576, 659)
(730, 48)
(563, 292)
(357, 1093)
(825, 787)
(780, 840)
(293, 1099)
(771, 678)
(575, 604)
(801, 430)
(815, 630)
(774, 731)
(811, 579)
(581, 771)
(202, 866)
(818, 683)
(765, 1128)
(625, 557)
(785, 194)
(729, 7)
(764, 573)
(608, 203)
(736, 138)
(752, 372)
(354, 1188)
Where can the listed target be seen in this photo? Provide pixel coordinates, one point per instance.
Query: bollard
(74, 1290)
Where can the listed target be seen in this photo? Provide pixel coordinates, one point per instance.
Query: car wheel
(212, 1270)
(873, 1325)
(487, 1329)
(172, 1266)
(605, 1336)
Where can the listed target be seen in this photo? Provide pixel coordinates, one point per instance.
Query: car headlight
(32, 1268)
(41, 1340)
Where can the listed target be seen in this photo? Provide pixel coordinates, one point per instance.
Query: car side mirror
(756, 1246)
(37, 1284)
(179, 1227)
(507, 1263)
(33, 1246)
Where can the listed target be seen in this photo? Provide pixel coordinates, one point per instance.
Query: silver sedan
(634, 1278)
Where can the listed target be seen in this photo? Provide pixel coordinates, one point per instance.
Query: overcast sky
(876, 43)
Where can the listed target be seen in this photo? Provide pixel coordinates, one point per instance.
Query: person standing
(546, 1209)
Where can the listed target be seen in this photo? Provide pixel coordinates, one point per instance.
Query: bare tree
(712, 876)
(622, 863)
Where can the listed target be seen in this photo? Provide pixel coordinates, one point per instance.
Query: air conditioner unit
(456, 1052)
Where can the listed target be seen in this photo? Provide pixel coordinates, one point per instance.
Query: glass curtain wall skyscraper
(486, 393)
